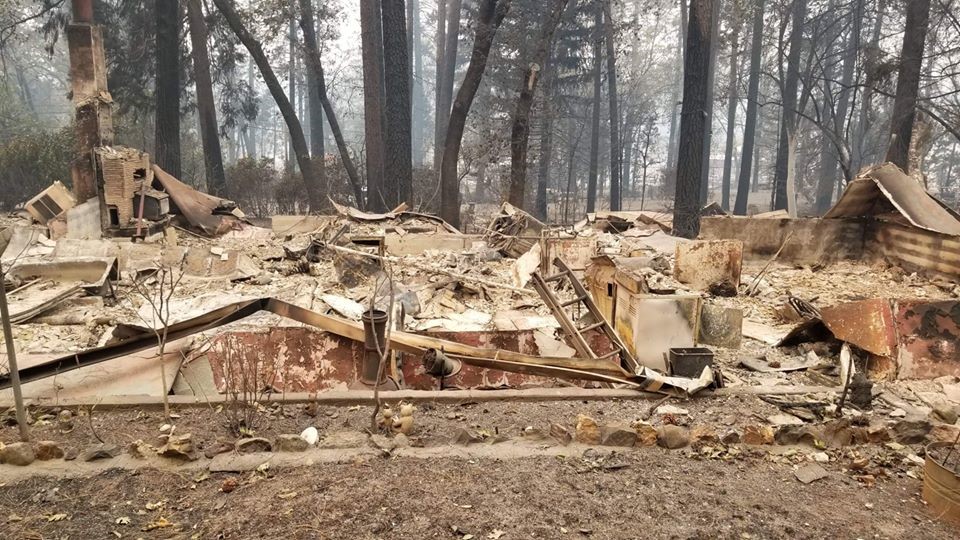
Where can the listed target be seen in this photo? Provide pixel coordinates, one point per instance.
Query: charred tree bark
(315, 69)
(546, 147)
(206, 108)
(371, 37)
(615, 143)
(866, 100)
(520, 133)
(782, 198)
(750, 125)
(440, 40)
(398, 156)
(447, 73)
(686, 212)
(292, 75)
(490, 14)
(315, 107)
(594, 166)
(300, 148)
(708, 108)
(418, 107)
(167, 117)
(670, 182)
(908, 83)
(732, 102)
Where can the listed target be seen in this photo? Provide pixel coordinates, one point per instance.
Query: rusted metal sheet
(197, 207)
(887, 187)
(575, 252)
(286, 359)
(868, 324)
(916, 250)
(929, 335)
(704, 263)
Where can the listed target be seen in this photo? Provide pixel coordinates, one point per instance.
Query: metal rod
(12, 360)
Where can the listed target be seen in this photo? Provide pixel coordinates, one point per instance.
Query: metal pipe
(374, 343)
(83, 11)
(440, 365)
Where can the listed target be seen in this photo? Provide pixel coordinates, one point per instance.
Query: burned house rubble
(830, 311)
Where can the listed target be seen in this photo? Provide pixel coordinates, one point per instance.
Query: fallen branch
(756, 281)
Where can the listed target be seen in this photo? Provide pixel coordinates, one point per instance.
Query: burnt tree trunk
(615, 143)
(446, 73)
(489, 17)
(708, 108)
(398, 155)
(300, 148)
(546, 147)
(750, 122)
(670, 181)
(595, 119)
(686, 211)
(317, 149)
(167, 119)
(782, 198)
(908, 83)
(520, 133)
(732, 101)
(371, 38)
(315, 71)
(206, 107)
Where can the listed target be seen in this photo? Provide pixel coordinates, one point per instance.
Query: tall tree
(315, 73)
(708, 111)
(750, 122)
(671, 179)
(490, 14)
(374, 113)
(168, 86)
(733, 99)
(206, 107)
(447, 73)
(863, 124)
(546, 143)
(292, 72)
(594, 166)
(520, 132)
(686, 210)
(314, 105)
(440, 40)
(783, 195)
(301, 151)
(418, 106)
(615, 146)
(398, 157)
(831, 154)
(908, 83)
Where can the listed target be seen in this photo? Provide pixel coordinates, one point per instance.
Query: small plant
(248, 382)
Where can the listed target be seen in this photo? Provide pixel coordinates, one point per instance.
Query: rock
(671, 409)
(911, 431)
(898, 413)
(820, 457)
(646, 434)
(20, 454)
(65, 420)
(673, 437)
(878, 433)
(382, 442)
(311, 435)
(792, 434)
(730, 437)
(464, 437)
(704, 433)
(401, 441)
(783, 419)
(533, 434)
(165, 428)
(180, 447)
(587, 431)
(836, 433)
(757, 435)
(140, 449)
(945, 411)
(47, 450)
(343, 439)
(100, 451)
(943, 433)
(70, 454)
(290, 443)
(810, 473)
(253, 444)
(262, 279)
(218, 447)
(560, 433)
(617, 436)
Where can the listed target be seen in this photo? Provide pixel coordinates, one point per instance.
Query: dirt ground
(646, 493)
(591, 493)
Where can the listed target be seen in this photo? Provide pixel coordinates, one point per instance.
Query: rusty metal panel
(916, 250)
(929, 335)
(868, 324)
(703, 263)
(575, 252)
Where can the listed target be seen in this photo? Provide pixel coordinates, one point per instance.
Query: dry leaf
(159, 523)
(56, 517)
(122, 520)
(287, 495)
